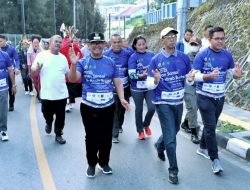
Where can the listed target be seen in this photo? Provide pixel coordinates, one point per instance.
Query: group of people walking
(109, 78)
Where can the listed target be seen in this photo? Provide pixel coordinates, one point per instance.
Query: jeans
(98, 123)
(119, 112)
(57, 107)
(138, 99)
(3, 110)
(170, 120)
(210, 110)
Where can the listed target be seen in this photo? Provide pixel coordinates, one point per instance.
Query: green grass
(227, 127)
(135, 22)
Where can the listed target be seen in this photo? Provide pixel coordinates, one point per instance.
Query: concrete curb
(234, 145)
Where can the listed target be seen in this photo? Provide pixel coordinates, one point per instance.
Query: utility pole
(181, 17)
(54, 15)
(23, 16)
(74, 13)
(124, 26)
(109, 25)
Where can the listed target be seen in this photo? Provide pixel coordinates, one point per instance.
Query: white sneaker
(67, 108)
(31, 94)
(26, 92)
(4, 136)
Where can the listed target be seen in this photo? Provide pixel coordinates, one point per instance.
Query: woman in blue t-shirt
(138, 70)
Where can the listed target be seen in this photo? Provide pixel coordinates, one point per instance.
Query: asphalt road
(32, 160)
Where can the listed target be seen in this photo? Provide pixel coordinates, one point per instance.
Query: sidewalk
(237, 143)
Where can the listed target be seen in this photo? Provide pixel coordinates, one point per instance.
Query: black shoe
(173, 178)
(60, 140)
(11, 108)
(195, 139)
(185, 126)
(48, 129)
(105, 169)
(161, 155)
(90, 172)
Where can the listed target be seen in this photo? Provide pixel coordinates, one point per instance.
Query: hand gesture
(191, 75)
(215, 73)
(144, 74)
(157, 76)
(73, 57)
(39, 66)
(13, 90)
(125, 104)
(237, 70)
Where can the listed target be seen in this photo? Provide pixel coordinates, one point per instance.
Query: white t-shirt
(186, 46)
(52, 75)
(205, 43)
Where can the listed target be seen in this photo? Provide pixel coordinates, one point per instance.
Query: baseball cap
(167, 30)
(96, 37)
(195, 40)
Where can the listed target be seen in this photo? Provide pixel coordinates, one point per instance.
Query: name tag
(141, 84)
(99, 98)
(176, 95)
(124, 80)
(213, 88)
(3, 82)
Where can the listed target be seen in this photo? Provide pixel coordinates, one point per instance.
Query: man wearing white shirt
(184, 45)
(205, 41)
(52, 67)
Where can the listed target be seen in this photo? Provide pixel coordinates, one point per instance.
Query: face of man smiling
(96, 48)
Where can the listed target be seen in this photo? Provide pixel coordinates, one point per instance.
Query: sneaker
(26, 92)
(148, 131)
(173, 178)
(4, 136)
(48, 129)
(195, 139)
(60, 140)
(115, 140)
(203, 152)
(90, 173)
(67, 108)
(216, 166)
(185, 126)
(31, 93)
(161, 155)
(105, 169)
(141, 136)
(120, 130)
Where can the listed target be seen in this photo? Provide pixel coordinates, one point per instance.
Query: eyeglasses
(170, 37)
(219, 39)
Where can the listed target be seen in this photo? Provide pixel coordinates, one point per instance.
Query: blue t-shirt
(137, 64)
(173, 69)
(206, 61)
(12, 54)
(5, 62)
(97, 81)
(121, 62)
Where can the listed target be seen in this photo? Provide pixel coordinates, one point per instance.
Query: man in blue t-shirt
(120, 56)
(166, 76)
(210, 69)
(6, 73)
(16, 66)
(99, 76)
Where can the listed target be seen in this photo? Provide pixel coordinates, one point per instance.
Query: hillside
(234, 17)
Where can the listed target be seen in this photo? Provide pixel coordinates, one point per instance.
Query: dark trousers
(11, 96)
(57, 108)
(119, 112)
(210, 110)
(98, 123)
(27, 82)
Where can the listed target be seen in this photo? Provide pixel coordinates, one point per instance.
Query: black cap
(96, 37)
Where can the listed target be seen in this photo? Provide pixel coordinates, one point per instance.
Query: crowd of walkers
(192, 70)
